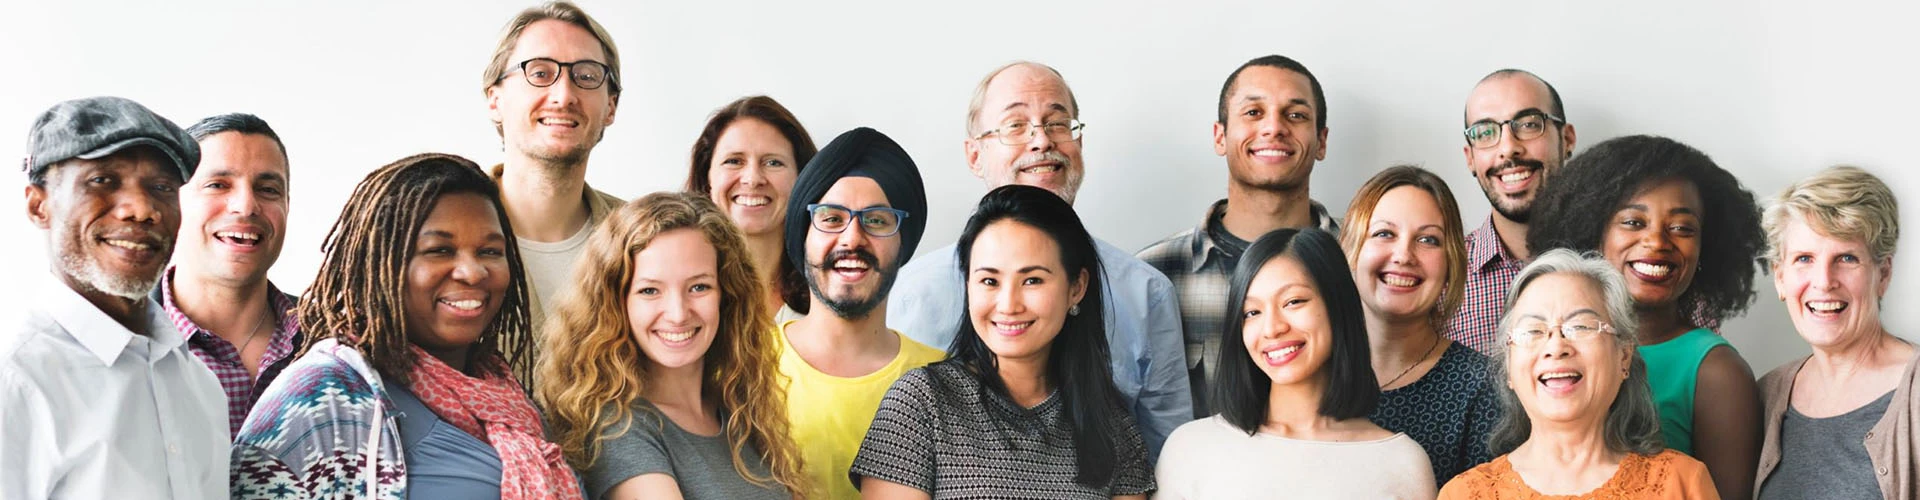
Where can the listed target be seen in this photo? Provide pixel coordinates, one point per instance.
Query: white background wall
(1772, 90)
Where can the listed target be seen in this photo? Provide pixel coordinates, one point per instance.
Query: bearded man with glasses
(1517, 136)
(1023, 128)
(551, 90)
(857, 211)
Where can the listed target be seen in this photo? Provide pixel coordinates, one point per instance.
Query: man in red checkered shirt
(1517, 135)
(233, 223)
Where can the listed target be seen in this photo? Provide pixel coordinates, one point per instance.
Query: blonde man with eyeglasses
(551, 90)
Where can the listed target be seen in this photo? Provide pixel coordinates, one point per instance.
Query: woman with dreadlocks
(402, 389)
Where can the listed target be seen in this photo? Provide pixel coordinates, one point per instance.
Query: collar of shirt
(1204, 245)
(280, 304)
(100, 333)
(1484, 247)
(595, 211)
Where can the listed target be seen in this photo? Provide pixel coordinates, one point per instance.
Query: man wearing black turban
(856, 213)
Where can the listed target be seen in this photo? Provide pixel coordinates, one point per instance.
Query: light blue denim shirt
(1143, 329)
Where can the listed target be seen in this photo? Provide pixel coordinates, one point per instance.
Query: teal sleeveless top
(1672, 367)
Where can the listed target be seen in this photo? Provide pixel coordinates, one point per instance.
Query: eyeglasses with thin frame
(585, 74)
(1527, 126)
(1531, 333)
(879, 222)
(1019, 133)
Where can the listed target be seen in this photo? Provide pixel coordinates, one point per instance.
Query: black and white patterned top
(940, 431)
(1449, 411)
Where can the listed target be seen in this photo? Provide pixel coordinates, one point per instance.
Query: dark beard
(856, 308)
(1523, 213)
(1518, 215)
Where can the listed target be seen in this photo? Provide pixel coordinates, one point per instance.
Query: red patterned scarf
(496, 410)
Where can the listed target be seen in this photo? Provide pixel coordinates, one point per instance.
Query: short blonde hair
(1842, 202)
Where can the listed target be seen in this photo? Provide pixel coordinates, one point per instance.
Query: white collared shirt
(88, 409)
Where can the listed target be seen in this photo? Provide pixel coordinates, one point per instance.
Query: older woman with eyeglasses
(1579, 419)
(1842, 422)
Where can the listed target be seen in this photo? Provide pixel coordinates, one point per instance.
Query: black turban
(861, 152)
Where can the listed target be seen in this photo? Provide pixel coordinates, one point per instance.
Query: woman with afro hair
(1687, 237)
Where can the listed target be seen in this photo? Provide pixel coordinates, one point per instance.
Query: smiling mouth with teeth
(465, 305)
(850, 265)
(1651, 269)
(558, 122)
(1558, 380)
(238, 238)
(1283, 352)
(751, 201)
(1271, 153)
(1399, 280)
(680, 336)
(1827, 306)
(1010, 327)
(130, 245)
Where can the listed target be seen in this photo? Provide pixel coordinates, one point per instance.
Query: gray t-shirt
(1826, 458)
(701, 465)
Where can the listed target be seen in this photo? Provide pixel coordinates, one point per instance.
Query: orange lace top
(1668, 475)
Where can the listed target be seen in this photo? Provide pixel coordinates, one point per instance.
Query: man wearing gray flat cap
(98, 392)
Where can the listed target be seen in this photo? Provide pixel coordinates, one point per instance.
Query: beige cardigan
(1891, 444)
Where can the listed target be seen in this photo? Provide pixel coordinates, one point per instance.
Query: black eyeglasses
(1487, 133)
(878, 222)
(586, 74)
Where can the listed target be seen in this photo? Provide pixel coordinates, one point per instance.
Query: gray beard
(88, 273)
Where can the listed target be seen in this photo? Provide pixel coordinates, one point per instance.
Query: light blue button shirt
(1143, 329)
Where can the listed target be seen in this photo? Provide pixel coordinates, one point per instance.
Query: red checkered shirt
(1490, 272)
(224, 359)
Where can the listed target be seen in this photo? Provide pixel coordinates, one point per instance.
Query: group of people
(772, 331)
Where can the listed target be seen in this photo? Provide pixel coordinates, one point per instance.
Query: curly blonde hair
(594, 370)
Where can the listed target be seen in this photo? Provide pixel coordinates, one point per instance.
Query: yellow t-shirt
(828, 415)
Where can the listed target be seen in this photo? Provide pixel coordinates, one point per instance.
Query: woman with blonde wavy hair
(661, 363)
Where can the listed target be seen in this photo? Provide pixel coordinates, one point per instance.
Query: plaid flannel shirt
(1490, 272)
(1201, 269)
(224, 358)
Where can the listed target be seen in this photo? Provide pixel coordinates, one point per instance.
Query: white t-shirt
(1211, 459)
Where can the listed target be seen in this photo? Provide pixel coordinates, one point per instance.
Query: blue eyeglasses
(878, 222)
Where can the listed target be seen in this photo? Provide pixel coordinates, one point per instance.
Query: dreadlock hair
(359, 296)
(594, 371)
